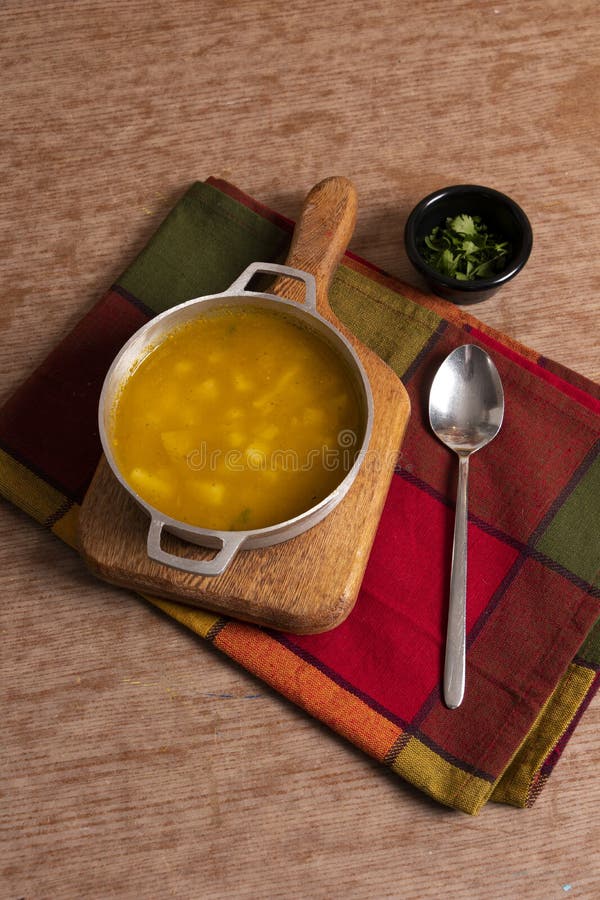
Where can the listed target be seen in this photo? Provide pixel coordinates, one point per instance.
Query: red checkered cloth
(534, 551)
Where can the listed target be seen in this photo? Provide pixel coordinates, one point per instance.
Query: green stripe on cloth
(171, 268)
(590, 649)
(392, 325)
(580, 555)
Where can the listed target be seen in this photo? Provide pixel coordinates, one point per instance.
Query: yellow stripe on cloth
(197, 620)
(428, 771)
(515, 784)
(66, 528)
(19, 485)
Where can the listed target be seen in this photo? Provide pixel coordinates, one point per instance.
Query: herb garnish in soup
(239, 419)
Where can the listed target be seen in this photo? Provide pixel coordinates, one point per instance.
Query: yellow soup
(239, 419)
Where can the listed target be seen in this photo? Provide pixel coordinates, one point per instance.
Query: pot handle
(241, 283)
(215, 566)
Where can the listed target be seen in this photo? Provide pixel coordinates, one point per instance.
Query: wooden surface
(306, 585)
(137, 761)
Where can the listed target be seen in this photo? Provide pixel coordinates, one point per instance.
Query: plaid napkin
(534, 593)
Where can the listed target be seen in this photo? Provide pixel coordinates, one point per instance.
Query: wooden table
(139, 762)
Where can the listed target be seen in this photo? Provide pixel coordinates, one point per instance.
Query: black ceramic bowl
(501, 215)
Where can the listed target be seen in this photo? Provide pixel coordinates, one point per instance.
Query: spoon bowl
(466, 408)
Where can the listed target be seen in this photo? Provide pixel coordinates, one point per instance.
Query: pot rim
(258, 536)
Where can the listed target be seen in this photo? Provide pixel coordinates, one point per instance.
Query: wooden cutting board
(308, 584)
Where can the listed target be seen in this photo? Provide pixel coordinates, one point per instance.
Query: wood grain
(137, 761)
(306, 585)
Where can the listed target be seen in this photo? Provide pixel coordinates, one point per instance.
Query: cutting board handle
(321, 237)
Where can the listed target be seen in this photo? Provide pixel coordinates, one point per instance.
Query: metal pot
(227, 543)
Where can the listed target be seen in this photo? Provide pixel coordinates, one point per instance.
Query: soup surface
(237, 420)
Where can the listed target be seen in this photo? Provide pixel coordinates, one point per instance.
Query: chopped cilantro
(465, 249)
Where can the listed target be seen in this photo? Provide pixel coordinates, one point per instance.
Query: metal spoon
(466, 406)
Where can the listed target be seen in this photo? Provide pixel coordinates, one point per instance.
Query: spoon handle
(454, 667)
